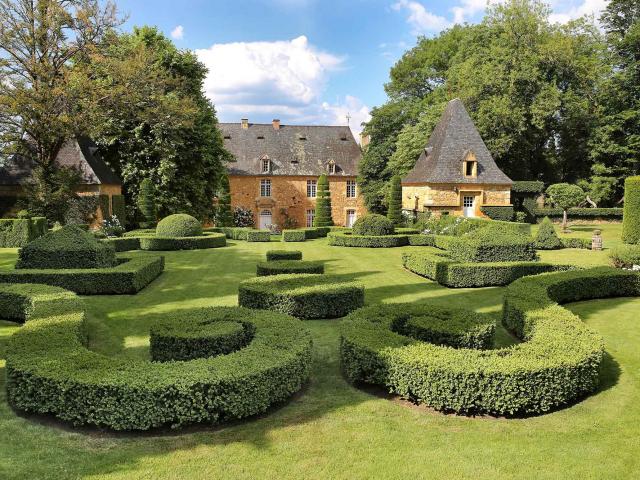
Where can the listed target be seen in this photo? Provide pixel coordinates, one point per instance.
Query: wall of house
(448, 197)
(289, 198)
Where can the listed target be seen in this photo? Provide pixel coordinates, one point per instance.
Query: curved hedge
(50, 370)
(450, 273)
(344, 239)
(373, 225)
(304, 296)
(283, 255)
(278, 267)
(631, 216)
(557, 364)
(207, 240)
(179, 225)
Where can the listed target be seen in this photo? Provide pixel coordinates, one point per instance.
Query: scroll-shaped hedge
(50, 370)
(557, 364)
(303, 296)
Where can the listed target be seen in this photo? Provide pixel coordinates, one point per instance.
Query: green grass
(331, 429)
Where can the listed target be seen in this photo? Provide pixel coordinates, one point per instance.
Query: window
(332, 168)
(351, 189)
(311, 214)
(265, 188)
(312, 186)
(469, 168)
(266, 165)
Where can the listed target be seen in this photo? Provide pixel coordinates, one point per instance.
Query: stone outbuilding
(455, 172)
(276, 170)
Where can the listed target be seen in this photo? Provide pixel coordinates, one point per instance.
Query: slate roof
(452, 139)
(81, 153)
(292, 149)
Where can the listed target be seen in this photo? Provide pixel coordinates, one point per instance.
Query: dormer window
(266, 165)
(470, 165)
(332, 167)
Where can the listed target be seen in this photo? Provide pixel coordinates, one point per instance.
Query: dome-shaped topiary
(547, 238)
(179, 225)
(373, 224)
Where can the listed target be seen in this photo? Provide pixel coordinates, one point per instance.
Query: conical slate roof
(454, 137)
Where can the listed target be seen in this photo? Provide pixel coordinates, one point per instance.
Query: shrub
(394, 212)
(258, 236)
(118, 208)
(422, 240)
(631, 219)
(111, 227)
(581, 213)
(547, 238)
(373, 225)
(625, 256)
(50, 370)
(315, 232)
(224, 216)
(124, 244)
(130, 276)
(341, 239)
(277, 267)
(293, 236)
(147, 202)
(179, 225)
(487, 245)
(208, 240)
(235, 233)
(15, 233)
(503, 213)
(68, 247)
(243, 217)
(558, 362)
(322, 217)
(273, 255)
(303, 296)
(584, 243)
(527, 186)
(452, 274)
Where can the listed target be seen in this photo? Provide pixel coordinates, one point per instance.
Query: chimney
(245, 123)
(364, 139)
(276, 123)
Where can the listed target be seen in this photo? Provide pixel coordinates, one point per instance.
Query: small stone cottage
(455, 173)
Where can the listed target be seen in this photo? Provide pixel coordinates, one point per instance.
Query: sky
(307, 62)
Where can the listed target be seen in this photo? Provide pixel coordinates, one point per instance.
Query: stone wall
(289, 197)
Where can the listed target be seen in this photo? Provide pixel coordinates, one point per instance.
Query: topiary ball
(373, 224)
(179, 225)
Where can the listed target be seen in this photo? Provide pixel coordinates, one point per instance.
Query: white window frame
(266, 165)
(265, 187)
(311, 215)
(351, 189)
(332, 168)
(312, 188)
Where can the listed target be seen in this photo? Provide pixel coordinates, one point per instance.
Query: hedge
(527, 186)
(258, 236)
(304, 296)
(581, 213)
(489, 246)
(278, 267)
(273, 255)
(557, 364)
(68, 247)
(118, 208)
(104, 205)
(293, 236)
(130, 276)
(373, 224)
(422, 240)
(631, 221)
(124, 244)
(502, 213)
(315, 232)
(234, 233)
(584, 243)
(344, 239)
(207, 240)
(51, 371)
(625, 256)
(16, 233)
(179, 225)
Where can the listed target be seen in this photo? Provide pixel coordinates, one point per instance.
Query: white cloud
(352, 107)
(420, 18)
(564, 10)
(177, 33)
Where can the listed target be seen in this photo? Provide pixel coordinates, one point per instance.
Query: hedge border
(581, 213)
(50, 370)
(273, 255)
(207, 240)
(557, 364)
(129, 277)
(279, 267)
(343, 239)
(293, 236)
(631, 216)
(305, 296)
(18, 232)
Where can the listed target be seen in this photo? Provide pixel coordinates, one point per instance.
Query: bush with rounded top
(179, 225)
(557, 363)
(51, 371)
(304, 296)
(631, 215)
(547, 238)
(373, 225)
(283, 255)
(67, 248)
(278, 267)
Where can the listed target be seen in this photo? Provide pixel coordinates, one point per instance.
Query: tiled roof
(292, 149)
(81, 153)
(453, 138)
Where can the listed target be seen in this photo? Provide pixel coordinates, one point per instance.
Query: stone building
(81, 153)
(276, 170)
(455, 172)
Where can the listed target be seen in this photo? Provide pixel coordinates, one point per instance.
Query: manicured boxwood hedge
(315, 232)
(487, 245)
(583, 243)
(346, 239)
(373, 225)
(208, 333)
(124, 244)
(421, 240)
(130, 276)
(442, 269)
(613, 214)
(273, 255)
(293, 236)
(303, 296)
(278, 267)
(557, 364)
(179, 225)
(258, 236)
(50, 371)
(502, 213)
(15, 233)
(631, 221)
(206, 240)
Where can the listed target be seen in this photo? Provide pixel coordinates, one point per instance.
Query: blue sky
(307, 61)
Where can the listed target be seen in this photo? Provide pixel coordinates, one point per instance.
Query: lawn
(331, 429)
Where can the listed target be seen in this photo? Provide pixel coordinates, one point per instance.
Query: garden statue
(596, 241)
